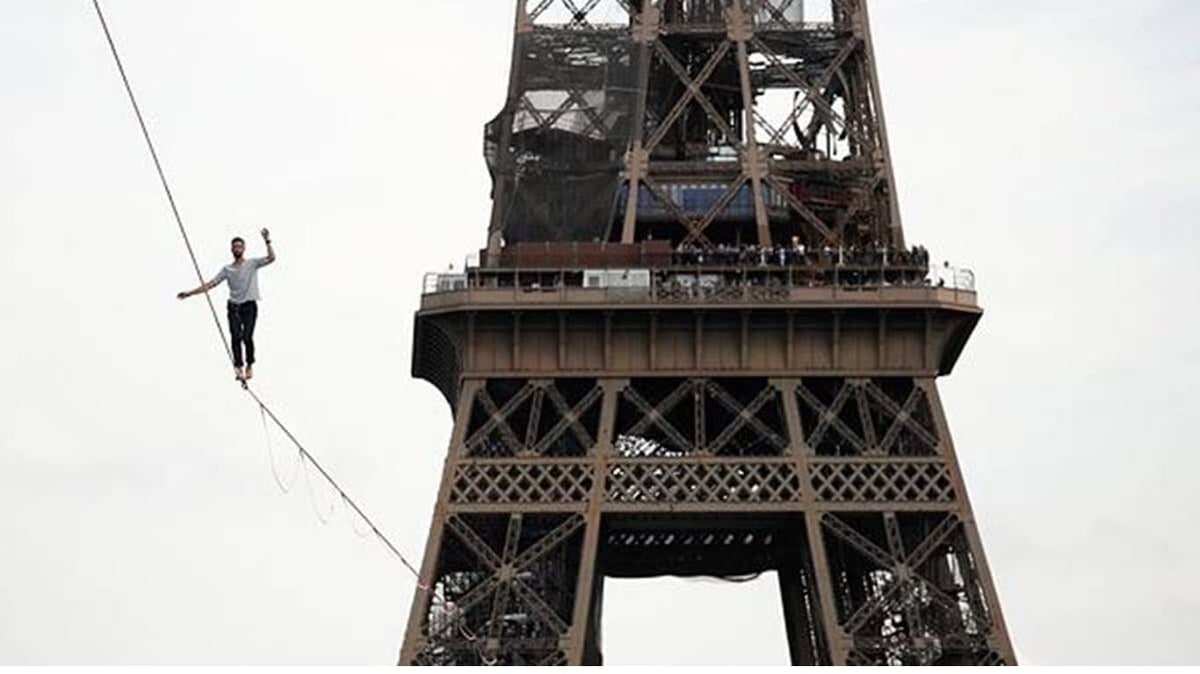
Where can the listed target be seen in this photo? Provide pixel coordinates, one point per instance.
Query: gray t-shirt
(242, 278)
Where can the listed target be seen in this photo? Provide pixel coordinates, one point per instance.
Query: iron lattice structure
(762, 418)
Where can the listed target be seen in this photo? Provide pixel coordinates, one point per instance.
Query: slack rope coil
(297, 465)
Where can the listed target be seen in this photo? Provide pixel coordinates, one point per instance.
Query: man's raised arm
(266, 235)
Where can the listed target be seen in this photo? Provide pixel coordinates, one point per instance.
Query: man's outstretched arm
(202, 288)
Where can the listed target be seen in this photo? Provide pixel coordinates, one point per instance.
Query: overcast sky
(1049, 144)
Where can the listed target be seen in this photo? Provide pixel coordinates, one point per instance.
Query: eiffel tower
(697, 344)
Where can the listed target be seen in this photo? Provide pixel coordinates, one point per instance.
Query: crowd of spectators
(728, 284)
(799, 255)
(728, 271)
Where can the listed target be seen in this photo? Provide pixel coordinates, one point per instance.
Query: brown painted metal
(792, 426)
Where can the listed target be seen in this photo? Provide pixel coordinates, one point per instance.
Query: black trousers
(241, 330)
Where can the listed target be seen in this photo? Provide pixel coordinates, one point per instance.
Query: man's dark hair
(238, 239)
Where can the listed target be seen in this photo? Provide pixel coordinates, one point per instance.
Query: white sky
(1049, 145)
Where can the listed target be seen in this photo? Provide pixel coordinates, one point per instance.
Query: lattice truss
(867, 417)
(810, 103)
(702, 441)
(731, 118)
(617, 14)
(509, 587)
(582, 14)
(669, 417)
(530, 418)
(671, 431)
(852, 481)
(644, 481)
(499, 481)
(558, 144)
(907, 589)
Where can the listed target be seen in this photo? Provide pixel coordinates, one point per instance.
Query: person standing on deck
(242, 307)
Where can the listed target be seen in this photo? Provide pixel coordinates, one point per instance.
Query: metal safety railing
(695, 284)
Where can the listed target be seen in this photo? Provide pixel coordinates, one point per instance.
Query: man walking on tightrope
(242, 308)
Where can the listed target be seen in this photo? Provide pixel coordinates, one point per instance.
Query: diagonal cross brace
(822, 82)
(830, 417)
(692, 92)
(656, 415)
(698, 226)
(810, 92)
(568, 418)
(474, 542)
(902, 416)
(680, 216)
(747, 415)
(497, 418)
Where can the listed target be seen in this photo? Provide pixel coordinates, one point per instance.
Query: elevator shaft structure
(697, 344)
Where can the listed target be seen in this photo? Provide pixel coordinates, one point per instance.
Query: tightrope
(263, 407)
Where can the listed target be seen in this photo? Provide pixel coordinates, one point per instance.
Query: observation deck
(642, 309)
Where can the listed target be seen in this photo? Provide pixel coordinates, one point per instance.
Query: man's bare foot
(238, 374)
(249, 372)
